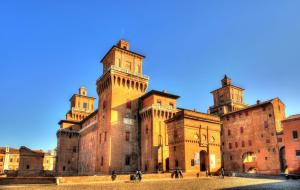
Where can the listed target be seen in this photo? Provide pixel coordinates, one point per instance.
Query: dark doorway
(203, 160)
(282, 159)
(167, 164)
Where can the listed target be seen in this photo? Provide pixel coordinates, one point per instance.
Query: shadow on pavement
(286, 185)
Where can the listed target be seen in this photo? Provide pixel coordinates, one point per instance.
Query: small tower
(228, 98)
(123, 44)
(83, 91)
(226, 81)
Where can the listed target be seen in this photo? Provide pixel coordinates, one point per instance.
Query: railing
(116, 68)
(159, 107)
(80, 109)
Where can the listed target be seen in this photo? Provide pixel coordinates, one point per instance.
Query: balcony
(159, 107)
(127, 71)
(74, 109)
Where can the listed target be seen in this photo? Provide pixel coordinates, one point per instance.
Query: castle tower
(81, 105)
(119, 88)
(155, 108)
(228, 98)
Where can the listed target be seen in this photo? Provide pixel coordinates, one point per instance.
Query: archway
(249, 162)
(203, 160)
(282, 159)
(167, 164)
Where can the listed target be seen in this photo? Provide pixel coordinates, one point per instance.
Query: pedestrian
(206, 173)
(138, 175)
(180, 173)
(113, 175)
(222, 172)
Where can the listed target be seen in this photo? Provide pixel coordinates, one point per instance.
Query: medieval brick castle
(135, 129)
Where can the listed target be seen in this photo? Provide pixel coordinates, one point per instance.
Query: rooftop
(258, 104)
(160, 93)
(292, 118)
(119, 47)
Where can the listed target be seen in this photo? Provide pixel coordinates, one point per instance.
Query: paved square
(229, 183)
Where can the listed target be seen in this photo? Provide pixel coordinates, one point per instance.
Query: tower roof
(123, 46)
(161, 93)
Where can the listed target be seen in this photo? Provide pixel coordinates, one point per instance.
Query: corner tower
(228, 98)
(119, 88)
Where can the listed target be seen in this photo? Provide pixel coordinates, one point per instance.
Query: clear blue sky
(48, 49)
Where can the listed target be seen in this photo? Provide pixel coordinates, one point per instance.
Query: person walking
(113, 175)
(139, 175)
(222, 173)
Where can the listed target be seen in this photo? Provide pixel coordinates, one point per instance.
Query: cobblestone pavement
(229, 183)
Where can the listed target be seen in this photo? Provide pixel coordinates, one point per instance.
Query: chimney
(257, 101)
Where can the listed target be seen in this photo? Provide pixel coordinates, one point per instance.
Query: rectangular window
(159, 102)
(297, 152)
(102, 161)
(176, 163)
(242, 130)
(236, 145)
(243, 144)
(127, 160)
(249, 142)
(128, 105)
(192, 162)
(104, 136)
(74, 149)
(85, 105)
(268, 141)
(230, 146)
(175, 135)
(266, 125)
(279, 139)
(295, 134)
(100, 138)
(104, 105)
(127, 136)
(229, 132)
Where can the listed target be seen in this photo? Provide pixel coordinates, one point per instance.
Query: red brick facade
(291, 133)
(249, 133)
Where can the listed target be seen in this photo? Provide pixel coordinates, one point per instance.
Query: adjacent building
(31, 162)
(251, 135)
(36, 162)
(9, 160)
(194, 141)
(291, 133)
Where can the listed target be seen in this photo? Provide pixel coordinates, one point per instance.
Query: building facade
(31, 162)
(291, 132)
(250, 134)
(155, 108)
(194, 141)
(9, 160)
(81, 110)
(132, 129)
